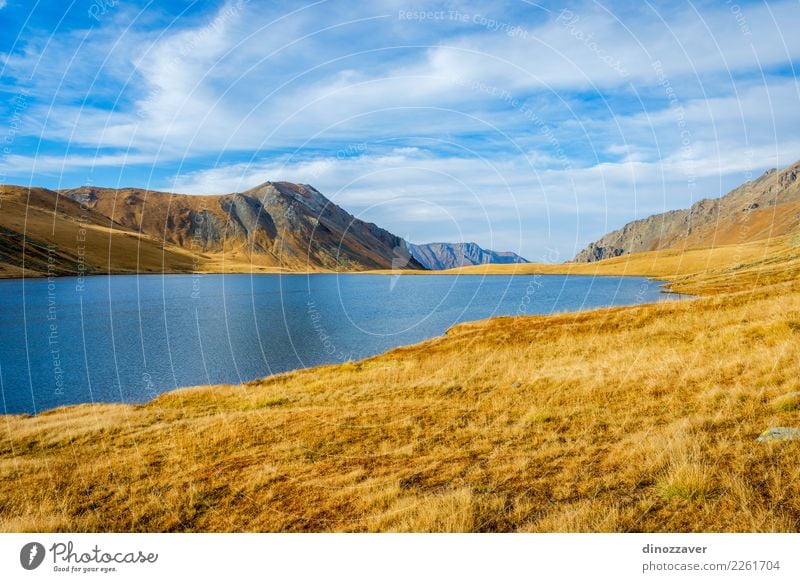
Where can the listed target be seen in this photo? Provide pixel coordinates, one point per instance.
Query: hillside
(53, 235)
(440, 256)
(759, 209)
(705, 271)
(275, 226)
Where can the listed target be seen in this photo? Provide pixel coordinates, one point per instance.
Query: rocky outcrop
(779, 433)
(758, 209)
(440, 256)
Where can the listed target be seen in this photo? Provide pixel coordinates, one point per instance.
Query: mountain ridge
(766, 207)
(441, 256)
(275, 225)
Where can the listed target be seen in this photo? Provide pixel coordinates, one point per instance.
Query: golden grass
(628, 419)
(704, 271)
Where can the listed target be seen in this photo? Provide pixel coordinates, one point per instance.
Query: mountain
(277, 225)
(763, 208)
(440, 256)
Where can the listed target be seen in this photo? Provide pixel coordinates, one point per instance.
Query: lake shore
(128, 338)
(700, 271)
(640, 418)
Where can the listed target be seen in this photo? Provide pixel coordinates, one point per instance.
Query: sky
(522, 126)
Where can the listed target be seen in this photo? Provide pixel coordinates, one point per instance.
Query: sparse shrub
(689, 482)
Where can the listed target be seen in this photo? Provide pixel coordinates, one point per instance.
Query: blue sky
(520, 126)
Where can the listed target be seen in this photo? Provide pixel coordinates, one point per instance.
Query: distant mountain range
(440, 256)
(766, 207)
(280, 226)
(277, 225)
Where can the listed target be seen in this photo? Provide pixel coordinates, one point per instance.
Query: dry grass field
(627, 419)
(695, 271)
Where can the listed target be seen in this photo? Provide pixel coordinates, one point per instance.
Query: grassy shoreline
(696, 271)
(640, 418)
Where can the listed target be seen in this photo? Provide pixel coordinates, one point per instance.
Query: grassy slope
(625, 419)
(695, 271)
(116, 250)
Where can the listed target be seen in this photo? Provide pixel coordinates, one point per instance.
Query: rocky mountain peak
(440, 256)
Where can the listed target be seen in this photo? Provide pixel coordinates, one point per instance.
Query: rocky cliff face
(758, 209)
(278, 224)
(440, 256)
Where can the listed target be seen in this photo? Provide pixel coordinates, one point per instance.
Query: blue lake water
(129, 338)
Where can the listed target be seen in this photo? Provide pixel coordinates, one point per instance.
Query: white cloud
(564, 127)
(243, 80)
(510, 204)
(18, 164)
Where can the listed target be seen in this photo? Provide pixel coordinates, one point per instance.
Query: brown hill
(275, 226)
(757, 210)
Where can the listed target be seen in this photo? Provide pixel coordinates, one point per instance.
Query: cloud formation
(516, 125)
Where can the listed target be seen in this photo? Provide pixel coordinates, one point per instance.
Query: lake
(128, 338)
